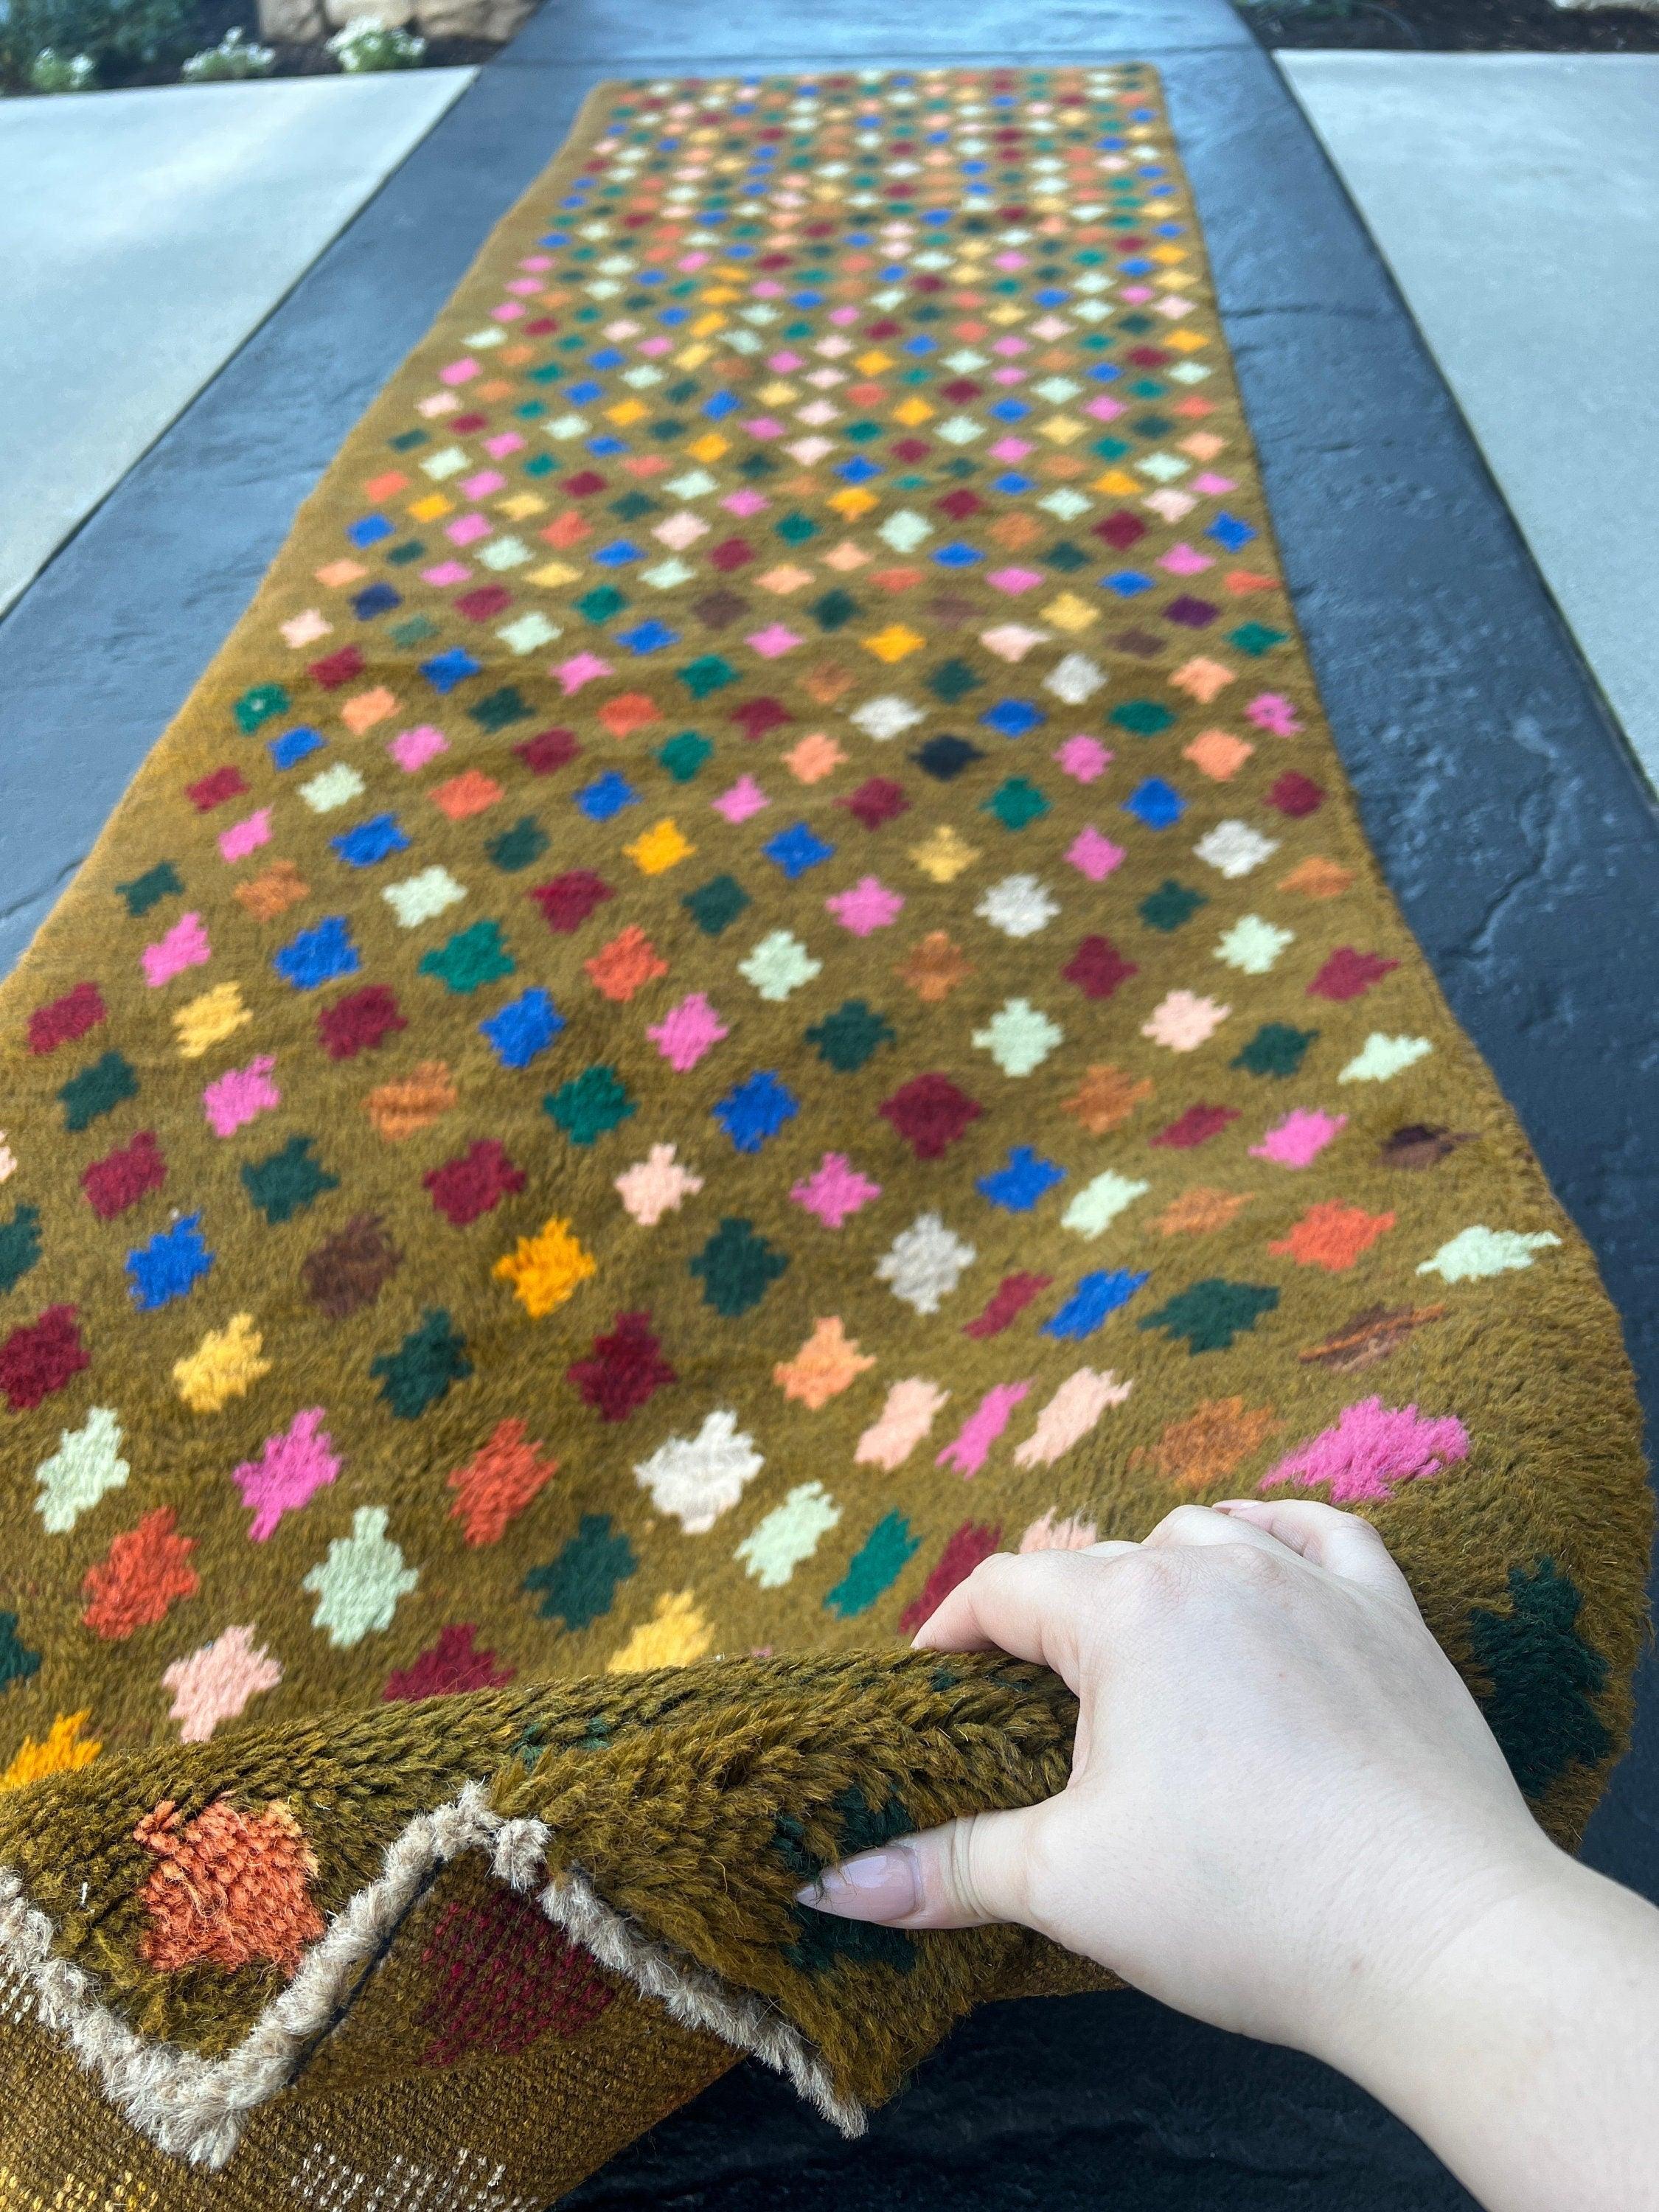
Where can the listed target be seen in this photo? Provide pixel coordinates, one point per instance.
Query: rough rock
(390, 14)
(292, 22)
(473, 19)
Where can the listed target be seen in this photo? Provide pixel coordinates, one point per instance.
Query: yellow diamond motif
(853, 501)
(660, 848)
(706, 326)
(1118, 483)
(944, 855)
(626, 410)
(708, 448)
(208, 1020)
(778, 394)
(892, 643)
(692, 357)
(1070, 612)
(545, 1269)
(911, 411)
(1007, 314)
(1187, 341)
(1062, 428)
(552, 574)
(520, 507)
(872, 364)
(429, 508)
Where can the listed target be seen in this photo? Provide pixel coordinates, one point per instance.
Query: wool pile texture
(753, 977)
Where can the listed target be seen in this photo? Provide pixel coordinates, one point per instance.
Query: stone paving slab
(143, 235)
(1515, 198)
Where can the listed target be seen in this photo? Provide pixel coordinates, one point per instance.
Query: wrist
(1524, 2052)
(1440, 1956)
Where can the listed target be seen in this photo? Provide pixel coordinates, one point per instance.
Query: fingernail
(876, 1886)
(1229, 1504)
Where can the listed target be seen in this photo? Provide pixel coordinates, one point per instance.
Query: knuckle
(1253, 1566)
(1147, 1583)
(1179, 1520)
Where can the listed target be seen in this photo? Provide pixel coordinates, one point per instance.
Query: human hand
(1284, 1805)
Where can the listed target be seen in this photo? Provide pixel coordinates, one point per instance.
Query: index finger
(1023, 1603)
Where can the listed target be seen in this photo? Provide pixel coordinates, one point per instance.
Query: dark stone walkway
(1512, 825)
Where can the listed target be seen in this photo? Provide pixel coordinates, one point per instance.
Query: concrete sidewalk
(143, 235)
(1515, 198)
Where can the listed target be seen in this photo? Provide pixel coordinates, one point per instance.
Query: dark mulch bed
(1454, 26)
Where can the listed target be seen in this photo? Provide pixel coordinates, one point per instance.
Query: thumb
(965, 1875)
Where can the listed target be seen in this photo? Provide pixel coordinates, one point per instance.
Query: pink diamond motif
(744, 502)
(772, 640)
(835, 1191)
(481, 485)
(764, 426)
(785, 362)
(498, 448)
(245, 836)
(1084, 758)
(744, 798)
(868, 906)
(581, 668)
(1299, 1138)
(687, 1031)
(467, 530)
(413, 748)
(446, 574)
(1211, 485)
(1184, 561)
(1093, 854)
(1015, 580)
(1269, 710)
(1104, 409)
(1012, 449)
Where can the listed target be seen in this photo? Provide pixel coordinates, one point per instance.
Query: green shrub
(51, 72)
(366, 45)
(120, 36)
(233, 57)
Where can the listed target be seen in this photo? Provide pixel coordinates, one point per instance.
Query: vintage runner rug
(752, 976)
